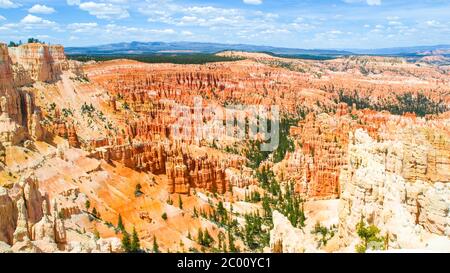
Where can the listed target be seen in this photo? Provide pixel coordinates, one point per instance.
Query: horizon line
(234, 44)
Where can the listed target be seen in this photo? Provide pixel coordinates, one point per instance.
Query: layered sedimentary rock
(382, 185)
(67, 131)
(201, 173)
(145, 156)
(28, 226)
(21, 207)
(42, 62)
(11, 116)
(8, 216)
(19, 116)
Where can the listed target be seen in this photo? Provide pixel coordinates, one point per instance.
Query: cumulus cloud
(253, 2)
(82, 27)
(42, 9)
(8, 4)
(108, 11)
(105, 10)
(31, 19)
(31, 22)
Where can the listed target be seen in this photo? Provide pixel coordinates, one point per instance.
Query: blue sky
(287, 23)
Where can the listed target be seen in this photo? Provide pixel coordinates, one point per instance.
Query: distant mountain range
(208, 48)
(418, 50)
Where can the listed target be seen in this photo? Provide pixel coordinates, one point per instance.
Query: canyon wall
(20, 66)
(401, 186)
(41, 62)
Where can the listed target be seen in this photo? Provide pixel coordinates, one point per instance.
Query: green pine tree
(180, 202)
(208, 240)
(120, 225)
(135, 243)
(155, 245)
(231, 246)
(195, 212)
(200, 237)
(126, 243)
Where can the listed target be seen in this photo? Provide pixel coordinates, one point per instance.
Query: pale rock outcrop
(19, 117)
(60, 230)
(22, 231)
(285, 236)
(5, 248)
(25, 246)
(43, 62)
(109, 245)
(33, 198)
(44, 229)
(21, 240)
(373, 188)
(87, 246)
(11, 130)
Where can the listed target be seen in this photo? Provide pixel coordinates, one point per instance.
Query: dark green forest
(197, 58)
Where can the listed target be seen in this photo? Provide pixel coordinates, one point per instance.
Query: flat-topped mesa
(40, 62)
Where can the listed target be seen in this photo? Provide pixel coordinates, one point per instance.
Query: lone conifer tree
(135, 243)
(120, 225)
(126, 244)
(180, 202)
(155, 245)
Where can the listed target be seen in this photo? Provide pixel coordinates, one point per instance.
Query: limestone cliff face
(20, 66)
(26, 192)
(27, 225)
(11, 130)
(42, 62)
(397, 185)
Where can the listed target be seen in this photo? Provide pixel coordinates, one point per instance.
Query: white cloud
(369, 2)
(42, 9)
(393, 18)
(104, 10)
(394, 23)
(31, 22)
(253, 2)
(435, 24)
(301, 26)
(35, 20)
(373, 2)
(187, 33)
(82, 27)
(2, 18)
(112, 32)
(73, 2)
(8, 4)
